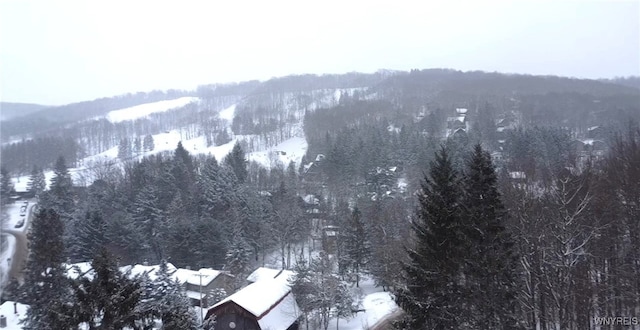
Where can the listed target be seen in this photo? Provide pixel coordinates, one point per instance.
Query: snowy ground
(8, 310)
(376, 303)
(146, 109)
(290, 150)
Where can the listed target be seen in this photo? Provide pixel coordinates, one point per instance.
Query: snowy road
(15, 253)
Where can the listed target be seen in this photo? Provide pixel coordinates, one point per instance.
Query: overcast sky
(56, 52)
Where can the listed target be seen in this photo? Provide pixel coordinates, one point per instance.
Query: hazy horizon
(70, 51)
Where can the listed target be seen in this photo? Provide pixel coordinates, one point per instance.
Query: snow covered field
(143, 110)
(290, 150)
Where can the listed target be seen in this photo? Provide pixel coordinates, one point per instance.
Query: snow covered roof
(461, 110)
(209, 275)
(181, 275)
(264, 273)
(311, 199)
(276, 308)
(282, 315)
(191, 276)
(518, 175)
(84, 268)
(151, 271)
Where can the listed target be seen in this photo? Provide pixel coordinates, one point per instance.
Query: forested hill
(9, 110)
(270, 112)
(518, 192)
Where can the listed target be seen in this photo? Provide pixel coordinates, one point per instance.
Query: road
(21, 252)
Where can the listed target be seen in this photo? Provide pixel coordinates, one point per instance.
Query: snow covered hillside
(146, 109)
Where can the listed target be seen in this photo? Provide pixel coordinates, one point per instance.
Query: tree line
(491, 253)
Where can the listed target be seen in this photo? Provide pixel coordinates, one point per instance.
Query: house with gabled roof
(265, 304)
(199, 284)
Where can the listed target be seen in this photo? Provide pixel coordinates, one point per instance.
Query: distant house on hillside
(265, 304)
(458, 123)
(587, 148)
(596, 132)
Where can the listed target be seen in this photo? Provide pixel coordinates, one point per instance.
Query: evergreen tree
(46, 289)
(124, 149)
(355, 251)
(491, 272)
(6, 188)
(147, 143)
(237, 162)
(303, 289)
(148, 215)
(431, 294)
(60, 194)
(37, 182)
(216, 188)
(238, 257)
(167, 299)
(109, 299)
(180, 235)
(137, 146)
(90, 235)
(182, 154)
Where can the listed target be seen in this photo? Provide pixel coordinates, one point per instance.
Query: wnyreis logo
(617, 320)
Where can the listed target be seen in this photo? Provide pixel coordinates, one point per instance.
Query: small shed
(265, 304)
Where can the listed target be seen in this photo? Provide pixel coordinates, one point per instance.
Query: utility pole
(200, 276)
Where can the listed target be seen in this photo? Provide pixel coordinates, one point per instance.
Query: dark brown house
(266, 304)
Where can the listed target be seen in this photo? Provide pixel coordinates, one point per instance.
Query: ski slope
(143, 110)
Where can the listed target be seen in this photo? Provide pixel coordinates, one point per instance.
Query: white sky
(56, 52)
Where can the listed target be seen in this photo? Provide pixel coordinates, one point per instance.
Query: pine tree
(90, 235)
(109, 299)
(303, 289)
(60, 194)
(431, 293)
(167, 299)
(148, 215)
(6, 188)
(491, 275)
(37, 182)
(238, 257)
(237, 162)
(148, 144)
(137, 146)
(216, 187)
(355, 251)
(124, 149)
(46, 288)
